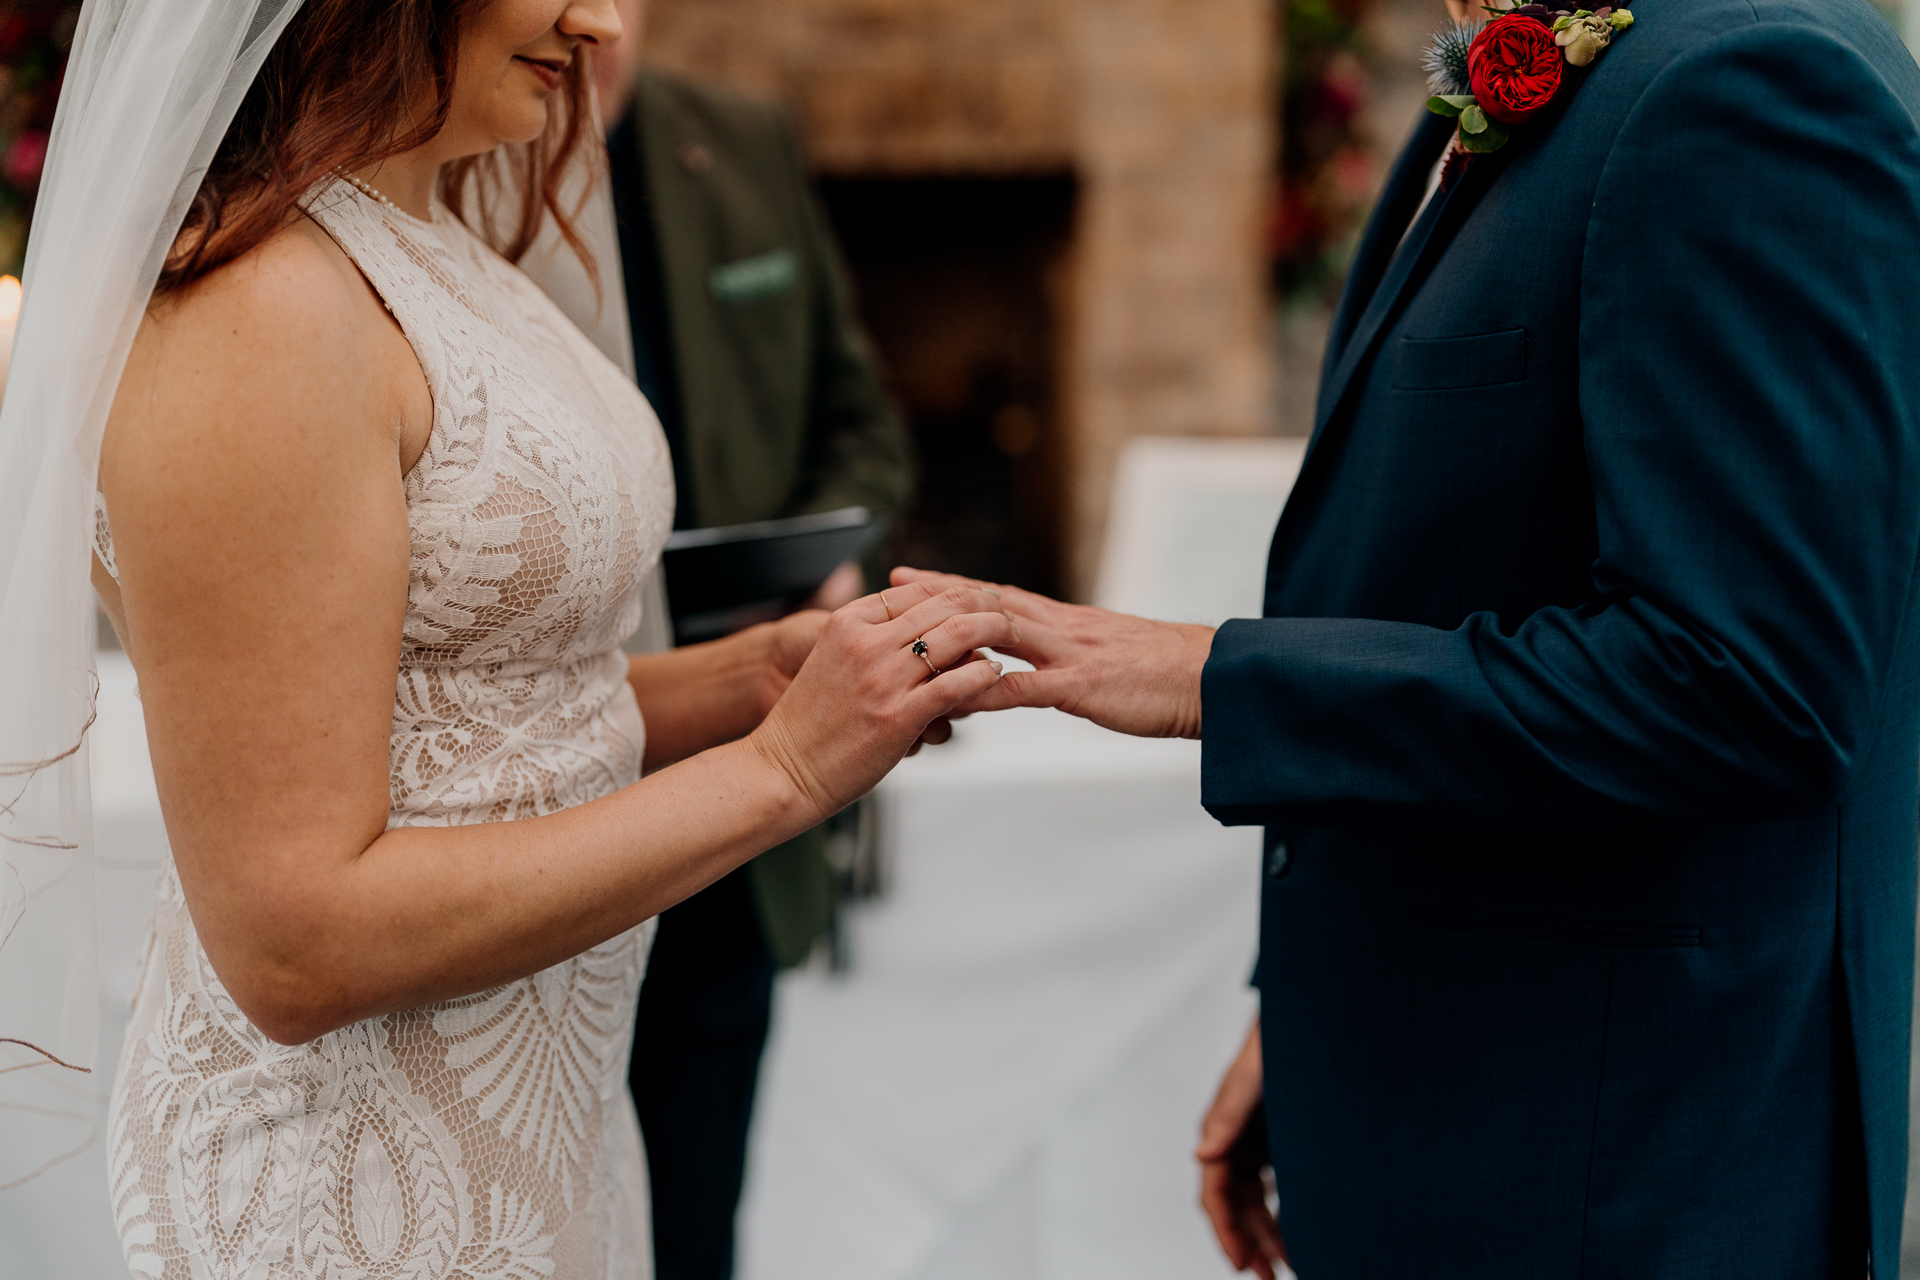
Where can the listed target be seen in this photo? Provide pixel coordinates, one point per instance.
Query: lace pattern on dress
(489, 1136)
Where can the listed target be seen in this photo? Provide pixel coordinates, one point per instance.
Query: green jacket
(781, 402)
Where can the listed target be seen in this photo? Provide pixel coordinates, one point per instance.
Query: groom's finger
(1217, 1200)
(1016, 689)
(1264, 1231)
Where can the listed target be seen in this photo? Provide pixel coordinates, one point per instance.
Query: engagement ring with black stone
(920, 652)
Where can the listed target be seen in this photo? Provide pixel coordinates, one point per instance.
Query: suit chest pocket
(1452, 364)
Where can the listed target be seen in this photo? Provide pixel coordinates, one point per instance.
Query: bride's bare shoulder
(295, 290)
(280, 352)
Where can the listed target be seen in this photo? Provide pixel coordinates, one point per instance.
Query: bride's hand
(1133, 675)
(863, 698)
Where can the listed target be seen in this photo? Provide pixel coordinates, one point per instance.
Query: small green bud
(1621, 19)
(1562, 22)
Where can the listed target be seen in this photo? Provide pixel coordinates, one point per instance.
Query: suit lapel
(1424, 243)
(1411, 262)
(1399, 202)
(1442, 217)
(1404, 269)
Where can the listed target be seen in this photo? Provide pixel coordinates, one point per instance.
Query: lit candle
(9, 316)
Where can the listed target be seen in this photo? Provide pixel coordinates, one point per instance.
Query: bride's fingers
(950, 642)
(903, 574)
(1017, 601)
(941, 603)
(949, 689)
(900, 600)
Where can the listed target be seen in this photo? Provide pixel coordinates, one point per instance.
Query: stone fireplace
(1052, 210)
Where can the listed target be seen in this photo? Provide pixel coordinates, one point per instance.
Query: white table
(1008, 1083)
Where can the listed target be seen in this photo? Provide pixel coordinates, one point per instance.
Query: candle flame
(9, 299)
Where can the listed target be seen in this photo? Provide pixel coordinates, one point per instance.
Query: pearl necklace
(368, 189)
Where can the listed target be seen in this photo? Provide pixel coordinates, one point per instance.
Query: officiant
(746, 344)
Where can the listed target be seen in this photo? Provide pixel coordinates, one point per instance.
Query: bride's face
(512, 56)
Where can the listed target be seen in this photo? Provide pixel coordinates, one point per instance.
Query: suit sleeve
(858, 451)
(1749, 385)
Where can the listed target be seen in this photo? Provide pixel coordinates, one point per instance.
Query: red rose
(1514, 67)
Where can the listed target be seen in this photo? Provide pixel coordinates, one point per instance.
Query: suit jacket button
(1277, 860)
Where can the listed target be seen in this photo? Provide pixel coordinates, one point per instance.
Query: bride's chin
(510, 125)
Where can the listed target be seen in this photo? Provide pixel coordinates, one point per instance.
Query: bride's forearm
(429, 914)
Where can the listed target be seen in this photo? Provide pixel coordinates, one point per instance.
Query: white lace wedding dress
(490, 1136)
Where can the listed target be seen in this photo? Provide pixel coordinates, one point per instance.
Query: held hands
(787, 644)
(1130, 674)
(1232, 1155)
(863, 698)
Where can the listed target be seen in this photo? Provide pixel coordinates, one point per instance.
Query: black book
(720, 580)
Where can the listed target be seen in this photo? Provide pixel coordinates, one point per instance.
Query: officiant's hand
(1233, 1165)
(1130, 674)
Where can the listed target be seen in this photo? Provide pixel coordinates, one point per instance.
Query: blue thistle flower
(1445, 60)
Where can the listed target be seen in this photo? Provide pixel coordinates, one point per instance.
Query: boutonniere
(1495, 75)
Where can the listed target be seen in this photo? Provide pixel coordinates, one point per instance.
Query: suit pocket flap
(1476, 360)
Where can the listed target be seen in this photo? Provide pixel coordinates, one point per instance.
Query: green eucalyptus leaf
(1474, 120)
(1492, 138)
(1449, 104)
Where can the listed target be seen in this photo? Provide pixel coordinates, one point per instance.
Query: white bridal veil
(151, 87)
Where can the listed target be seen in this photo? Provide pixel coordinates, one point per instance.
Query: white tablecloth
(1009, 1082)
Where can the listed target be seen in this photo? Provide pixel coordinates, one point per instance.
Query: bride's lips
(549, 73)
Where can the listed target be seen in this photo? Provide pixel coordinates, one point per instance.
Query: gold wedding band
(886, 606)
(919, 649)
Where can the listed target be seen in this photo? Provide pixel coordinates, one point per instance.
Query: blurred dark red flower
(15, 30)
(25, 158)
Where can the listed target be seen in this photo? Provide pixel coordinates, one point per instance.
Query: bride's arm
(252, 468)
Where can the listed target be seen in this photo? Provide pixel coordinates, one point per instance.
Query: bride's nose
(596, 22)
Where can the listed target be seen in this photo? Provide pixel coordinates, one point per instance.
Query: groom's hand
(1130, 674)
(1233, 1167)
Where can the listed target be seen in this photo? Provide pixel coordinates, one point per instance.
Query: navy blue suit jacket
(1583, 717)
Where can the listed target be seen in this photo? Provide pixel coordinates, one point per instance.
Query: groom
(1582, 720)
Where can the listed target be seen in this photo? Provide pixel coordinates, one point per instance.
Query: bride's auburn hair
(335, 93)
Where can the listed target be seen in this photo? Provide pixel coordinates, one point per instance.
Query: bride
(372, 525)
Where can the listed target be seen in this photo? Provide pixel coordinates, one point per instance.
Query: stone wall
(1162, 108)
